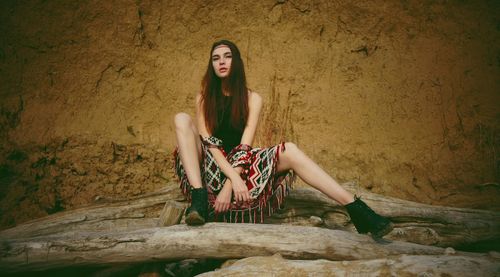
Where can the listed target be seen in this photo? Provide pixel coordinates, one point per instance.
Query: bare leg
(312, 174)
(189, 147)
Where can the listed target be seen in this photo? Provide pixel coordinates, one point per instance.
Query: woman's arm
(254, 108)
(224, 165)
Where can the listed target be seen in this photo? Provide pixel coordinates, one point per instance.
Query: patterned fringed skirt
(267, 188)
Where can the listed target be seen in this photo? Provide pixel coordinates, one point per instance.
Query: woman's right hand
(240, 189)
(223, 201)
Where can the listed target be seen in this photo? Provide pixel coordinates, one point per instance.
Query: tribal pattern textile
(267, 188)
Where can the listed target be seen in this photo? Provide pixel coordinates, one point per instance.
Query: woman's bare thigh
(197, 139)
(184, 121)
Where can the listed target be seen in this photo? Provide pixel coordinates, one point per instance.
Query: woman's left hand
(240, 189)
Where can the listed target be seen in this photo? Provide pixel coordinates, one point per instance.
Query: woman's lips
(223, 70)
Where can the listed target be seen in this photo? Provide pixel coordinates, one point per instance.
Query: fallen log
(127, 215)
(414, 222)
(212, 240)
(400, 265)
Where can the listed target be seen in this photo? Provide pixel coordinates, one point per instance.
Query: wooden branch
(400, 265)
(212, 240)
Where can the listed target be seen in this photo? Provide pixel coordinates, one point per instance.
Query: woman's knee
(182, 121)
(291, 147)
(289, 154)
(286, 159)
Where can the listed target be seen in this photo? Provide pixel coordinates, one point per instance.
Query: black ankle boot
(198, 212)
(366, 220)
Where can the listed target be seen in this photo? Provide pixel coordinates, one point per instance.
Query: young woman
(224, 177)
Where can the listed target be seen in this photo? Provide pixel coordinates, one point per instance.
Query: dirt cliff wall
(401, 96)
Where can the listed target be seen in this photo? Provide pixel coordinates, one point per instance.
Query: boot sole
(384, 231)
(194, 218)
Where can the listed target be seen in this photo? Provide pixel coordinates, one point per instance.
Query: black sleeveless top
(230, 136)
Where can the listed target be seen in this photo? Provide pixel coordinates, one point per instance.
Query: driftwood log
(214, 240)
(401, 265)
(130, 231)
(415, 222)
(119, 215)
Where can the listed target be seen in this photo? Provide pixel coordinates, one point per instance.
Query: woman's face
(221, 60)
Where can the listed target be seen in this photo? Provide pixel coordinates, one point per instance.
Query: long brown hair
(211, 93)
